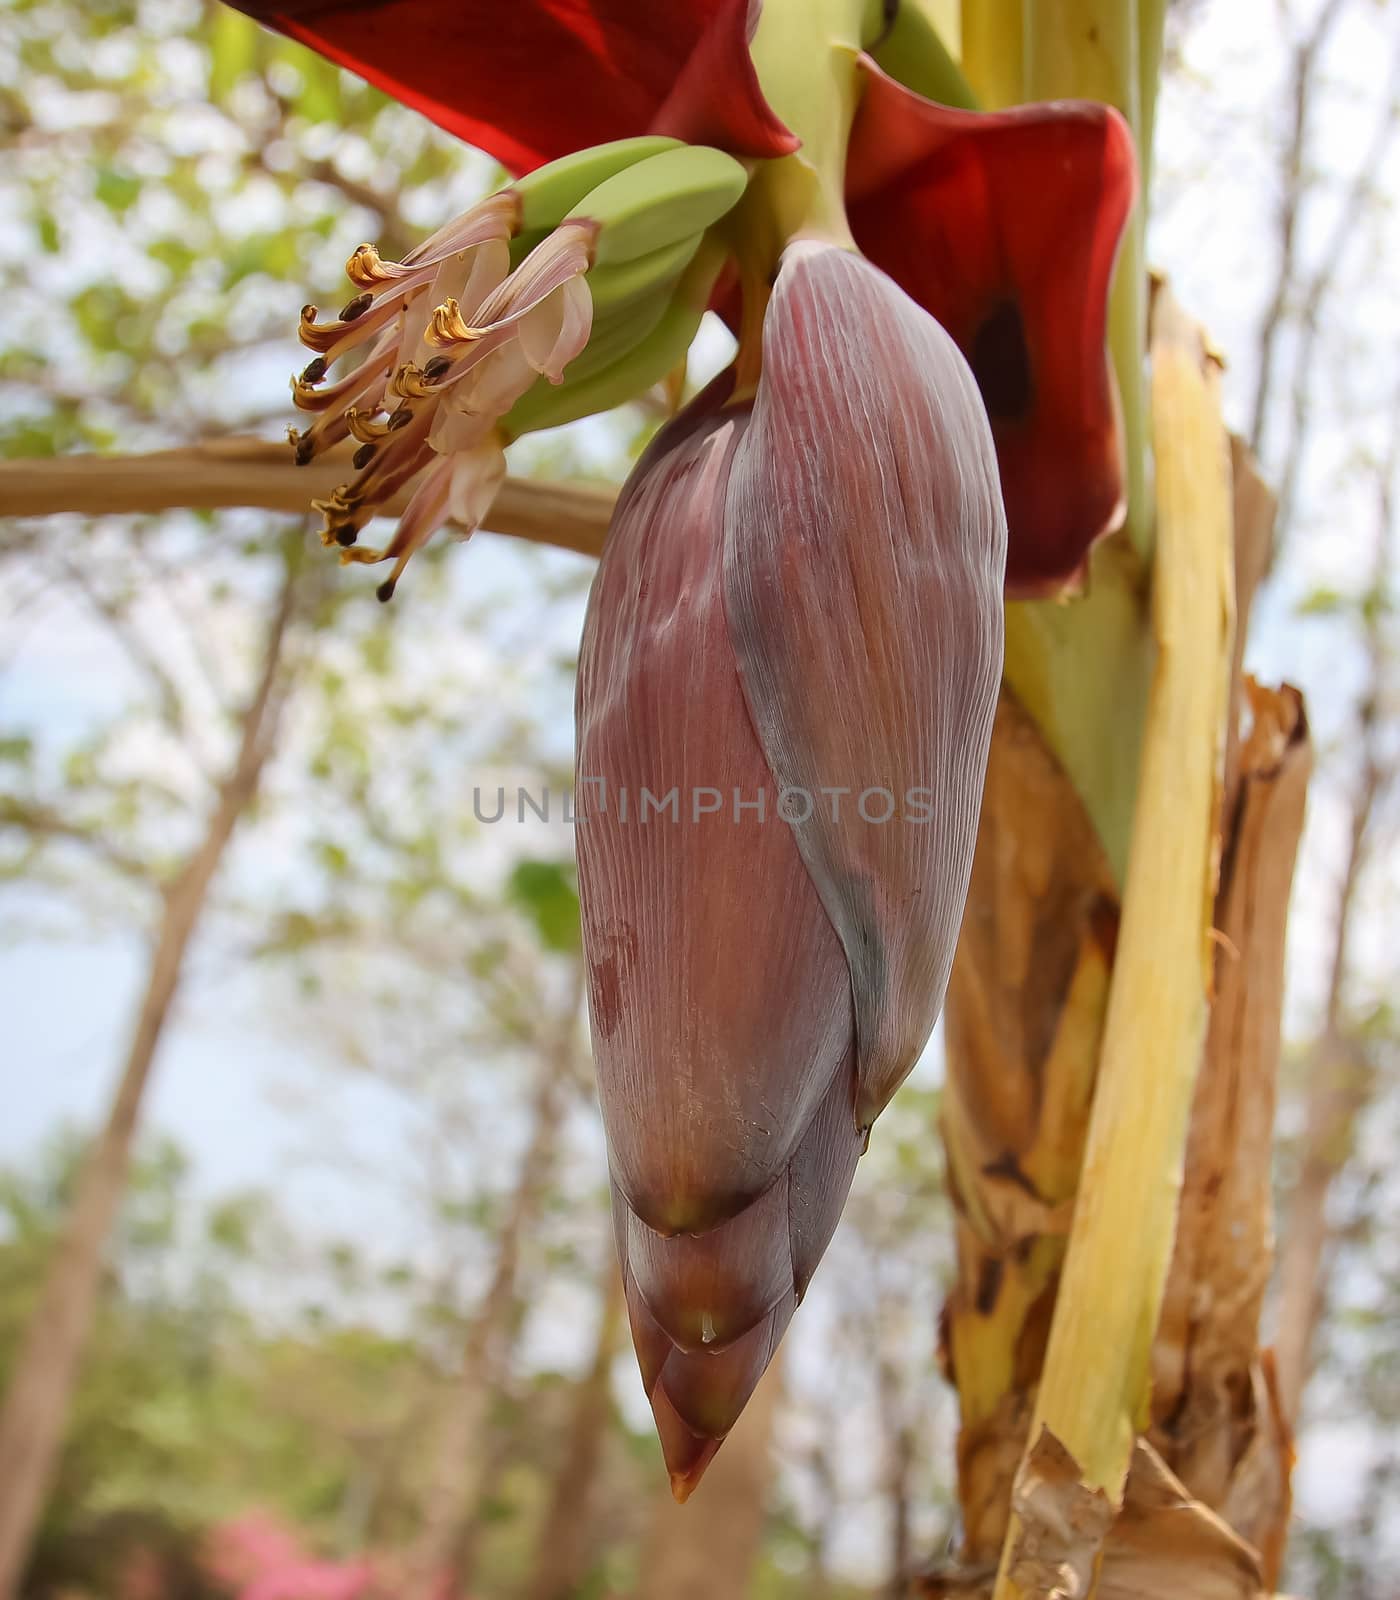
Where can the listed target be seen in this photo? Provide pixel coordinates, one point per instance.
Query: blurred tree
(456, 1477)
(41, 1381)
(561, 1545)
(711, 1545)
(210, 162)
(1342, 1065)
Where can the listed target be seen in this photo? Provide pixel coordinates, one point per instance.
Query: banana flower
(794, 640)
(785, 698)
(1004, 226)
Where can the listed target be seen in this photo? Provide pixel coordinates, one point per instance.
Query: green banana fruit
(660, 201)
(647, 363)
(617, 332)
(624, 283)
(550, 193)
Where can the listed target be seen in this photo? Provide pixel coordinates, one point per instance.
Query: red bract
(531, 80)
(785, 697)
(1005, 226)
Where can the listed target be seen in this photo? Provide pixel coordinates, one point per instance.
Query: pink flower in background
(259, 1558)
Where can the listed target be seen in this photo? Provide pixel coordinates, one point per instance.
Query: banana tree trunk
(1201, 1498)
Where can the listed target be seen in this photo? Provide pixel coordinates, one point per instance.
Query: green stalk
(1081, 670)
(806, 55)
(992, 50)
(1152, 22)
(914, 51)
(1089, 49)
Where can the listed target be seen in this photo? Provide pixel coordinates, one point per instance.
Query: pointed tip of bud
(684, 1484)
(687, 1454)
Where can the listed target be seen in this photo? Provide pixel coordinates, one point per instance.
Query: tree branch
(1345, 231)
(43, 822)
(1295, 183)
(220, 473)
(1340, 1081)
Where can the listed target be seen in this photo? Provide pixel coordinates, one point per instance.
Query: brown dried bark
(1024, 1011)
(1160, 1545)
(1024, 1014)
(1218, 1424)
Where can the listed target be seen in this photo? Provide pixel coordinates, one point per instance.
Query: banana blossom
(794, 640)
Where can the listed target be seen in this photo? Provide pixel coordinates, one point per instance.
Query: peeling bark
(1217, 1421)
(1024, 1013)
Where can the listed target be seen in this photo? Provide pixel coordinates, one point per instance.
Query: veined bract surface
(785, 698)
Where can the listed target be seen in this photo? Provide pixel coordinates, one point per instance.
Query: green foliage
(548, 892)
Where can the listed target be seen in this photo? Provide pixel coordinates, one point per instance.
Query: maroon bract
(1005, 227)
(531, 80)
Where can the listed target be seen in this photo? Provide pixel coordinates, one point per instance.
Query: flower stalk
(791, 155)
(805, 52)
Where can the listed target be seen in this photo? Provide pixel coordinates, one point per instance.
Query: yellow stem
(992, 51)
(1095, 1386)
(1152, 23)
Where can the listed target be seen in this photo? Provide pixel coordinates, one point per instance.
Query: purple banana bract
(798, 611)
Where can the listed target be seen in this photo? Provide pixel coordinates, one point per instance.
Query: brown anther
(356, 307)
(346, 534)
(436, 367)
(314, 371)
(304, 449)
(362, 457)
(399, 419)
(385, 591)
